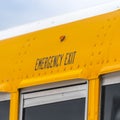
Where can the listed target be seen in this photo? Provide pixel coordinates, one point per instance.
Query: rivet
(99, 53)
(95, 45)
(91, 63)
(101, 43)
(23, 46)
(19, 54)
(92, 54)
(110, 43)
(103, 27)
(102, 62)
(105, 34)
(28, 40)
(114, 18)
(98, 36)
(26, 76)
(107, 61)
(78, 66)
(62, 38)
(70, 68)
(115, 60)
(108, 19)
(98, 62)
(29, 45)
(25, 52)
(85, 65)
(109, 26)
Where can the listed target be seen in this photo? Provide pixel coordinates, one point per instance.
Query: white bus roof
(59, 20)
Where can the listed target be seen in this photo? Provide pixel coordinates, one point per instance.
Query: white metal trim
(53, 85)
(4, 97)
(111, 78)
(86, 102)
(83, 88)
(55, 21)
(21, 107)
(54, 91)
(56, 95)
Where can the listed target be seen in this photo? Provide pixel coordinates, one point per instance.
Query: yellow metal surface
(14, 106)
(83, 49)
(92, 45)
(94, 99)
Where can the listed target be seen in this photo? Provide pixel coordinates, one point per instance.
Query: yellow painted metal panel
(94, 99)
(82, 49)
(14, 106)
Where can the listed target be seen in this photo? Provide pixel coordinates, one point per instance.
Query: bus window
(110, 102)
(4, 106)
(66, 110)
(68, 103)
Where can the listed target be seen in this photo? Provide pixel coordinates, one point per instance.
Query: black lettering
(73, 57)
(61, 58)
(69, 59)
(55, 61)
(41, 63)
(37, 64)
(45, 62)
(50, 61)
(66, 59)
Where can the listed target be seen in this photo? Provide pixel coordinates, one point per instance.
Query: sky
(18, 12)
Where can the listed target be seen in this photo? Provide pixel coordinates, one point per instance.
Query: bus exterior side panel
(82, 49)
(90, 47)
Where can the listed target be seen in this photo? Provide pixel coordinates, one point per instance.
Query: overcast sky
(18, 12)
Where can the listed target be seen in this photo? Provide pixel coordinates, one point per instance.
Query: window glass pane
(4, 110)
(110, 102)
(65, 110)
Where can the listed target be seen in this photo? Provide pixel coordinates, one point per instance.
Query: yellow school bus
(63, 68)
